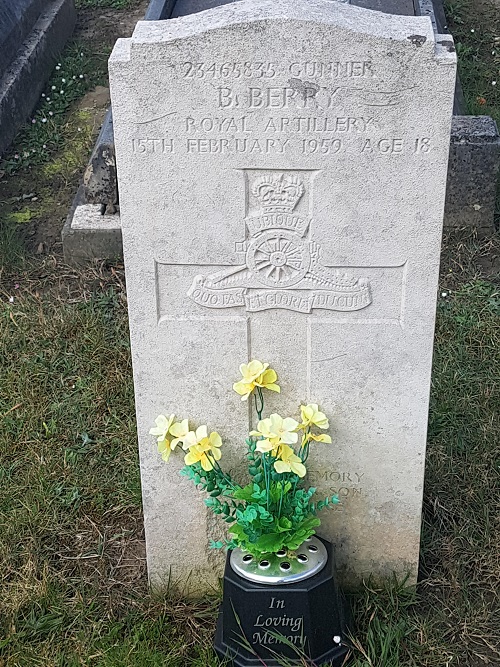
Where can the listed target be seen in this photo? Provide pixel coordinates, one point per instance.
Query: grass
(476, 35)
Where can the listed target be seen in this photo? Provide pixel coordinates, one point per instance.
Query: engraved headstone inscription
(282, 170)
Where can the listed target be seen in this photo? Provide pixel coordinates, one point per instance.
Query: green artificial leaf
(271, 542)
(238, 532)
(250, 513)
(309, 523)
(259, 495)
(284, 524)
(216, 545)
(245, 493)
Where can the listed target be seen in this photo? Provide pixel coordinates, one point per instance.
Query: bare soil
(107, 25)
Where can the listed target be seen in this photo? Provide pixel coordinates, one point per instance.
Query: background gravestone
(32, 33)
(282, 170)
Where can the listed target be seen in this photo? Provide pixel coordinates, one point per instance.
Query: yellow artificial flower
(255, 374)
(252, 370)
(205, 452)
(179, 430)
(322, 437)
(194, 438)
(289, 462)
(161, 430)
(162, 427)
(275, 430)
(311, 416)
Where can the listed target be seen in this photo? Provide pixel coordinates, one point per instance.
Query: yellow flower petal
(205, 463)
(281, 466)
(244, 389)
(265, 446)
(322, 437)
(299, 469)
(191, 457)
(215, 439)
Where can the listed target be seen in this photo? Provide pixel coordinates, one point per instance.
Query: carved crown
(278, 193)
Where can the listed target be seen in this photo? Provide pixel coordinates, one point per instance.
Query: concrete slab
(87, 235)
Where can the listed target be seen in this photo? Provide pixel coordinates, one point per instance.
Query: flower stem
(267, 477)
(281, 502)
(227, 479)
(259, 406)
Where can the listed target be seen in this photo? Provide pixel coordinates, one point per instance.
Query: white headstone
(282, 168)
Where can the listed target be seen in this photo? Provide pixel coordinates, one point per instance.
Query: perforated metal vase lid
(310, 558)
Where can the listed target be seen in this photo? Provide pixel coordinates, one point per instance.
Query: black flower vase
(282, 608)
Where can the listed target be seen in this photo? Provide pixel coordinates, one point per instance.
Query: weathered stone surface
(472, 173)
(99, 180)
(32, 35)
(326, 154)
(17, 18)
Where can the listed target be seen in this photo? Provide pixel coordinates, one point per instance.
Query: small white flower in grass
(79, 129)
(59, 64)
(62, 92)
(51, 113)
(444, 294)
(44, 146)
(43, 94)
(33, 121)
(493, 83)
(63, 80)
(53, 87)
(16, 156)
(74, 77)
(48, 99)
(44, 120)
(81, 76)
(58, 67)
(337, 639)
(472, 30)
(11, 299)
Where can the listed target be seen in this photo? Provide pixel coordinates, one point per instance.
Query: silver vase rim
(283, 567)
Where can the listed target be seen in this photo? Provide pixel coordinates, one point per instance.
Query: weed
(79, 70)
(476, 39)
(105, 4)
